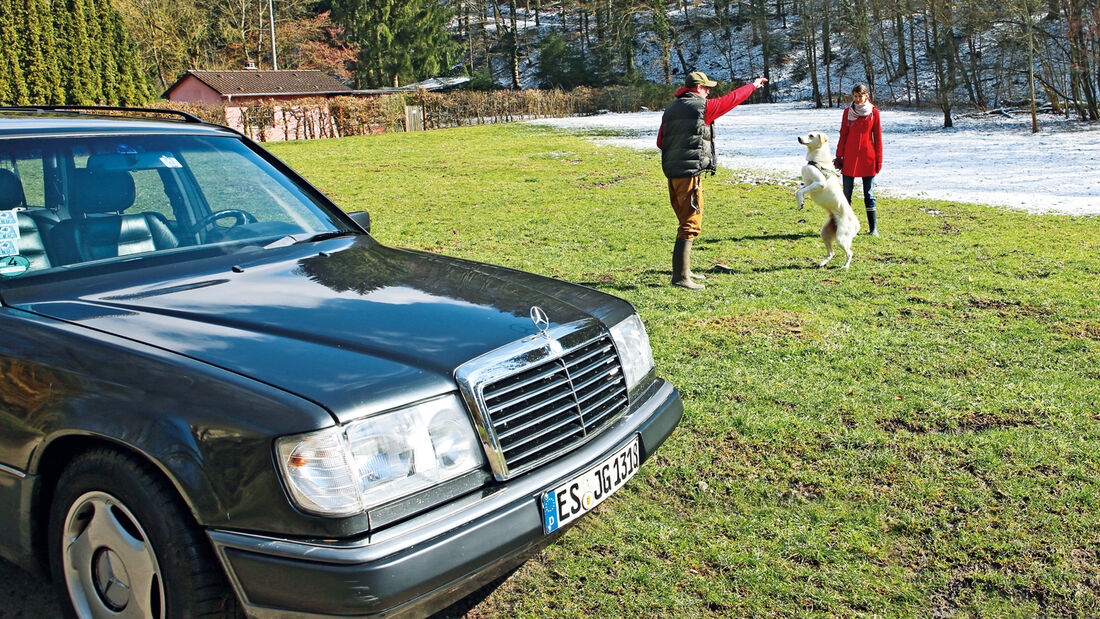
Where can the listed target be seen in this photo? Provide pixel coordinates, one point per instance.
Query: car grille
(542, 407)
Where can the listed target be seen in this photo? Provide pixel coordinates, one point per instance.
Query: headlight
(634, 351)
(346, 470)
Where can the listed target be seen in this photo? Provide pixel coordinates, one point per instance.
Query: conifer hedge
(75, 52)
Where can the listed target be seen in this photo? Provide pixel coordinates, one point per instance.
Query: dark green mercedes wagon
(220, 396)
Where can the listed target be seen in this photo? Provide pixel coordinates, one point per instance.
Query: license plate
(584, 492)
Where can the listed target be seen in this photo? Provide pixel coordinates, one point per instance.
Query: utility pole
(274, 55)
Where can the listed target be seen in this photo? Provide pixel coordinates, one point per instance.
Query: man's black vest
(687, 141)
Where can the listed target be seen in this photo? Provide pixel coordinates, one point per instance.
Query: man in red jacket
(686, 140)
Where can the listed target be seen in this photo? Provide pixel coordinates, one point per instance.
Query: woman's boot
(872, 224)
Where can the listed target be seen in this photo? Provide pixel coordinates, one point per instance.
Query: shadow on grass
(612, 286)
(760, 237)
(662, 277)
(746, 270)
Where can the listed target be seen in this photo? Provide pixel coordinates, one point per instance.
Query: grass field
(916, 436)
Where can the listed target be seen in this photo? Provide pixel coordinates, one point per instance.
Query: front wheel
(122, 545)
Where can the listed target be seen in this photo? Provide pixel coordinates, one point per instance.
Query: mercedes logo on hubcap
(539, 317)
(111, 580)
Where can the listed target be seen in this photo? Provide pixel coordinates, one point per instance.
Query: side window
(150, 193)
(27, 166)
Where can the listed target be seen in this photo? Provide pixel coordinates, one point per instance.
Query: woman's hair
(860, 89)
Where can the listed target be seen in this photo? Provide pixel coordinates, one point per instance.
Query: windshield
(68, 202)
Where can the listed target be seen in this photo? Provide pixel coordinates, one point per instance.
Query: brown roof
(255, 82)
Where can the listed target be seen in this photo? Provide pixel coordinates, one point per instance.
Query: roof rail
(108, 108)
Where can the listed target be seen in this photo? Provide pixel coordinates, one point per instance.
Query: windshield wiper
(295, 239)
(330, 234)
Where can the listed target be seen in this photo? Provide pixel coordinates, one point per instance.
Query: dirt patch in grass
(766, 323)
(888, 259)
(602, 278)
(1086, 330)
(802, 492)
(964, 589)
(1009, 308)
(977, 422)
(1085, 561)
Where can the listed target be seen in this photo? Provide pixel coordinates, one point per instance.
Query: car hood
(349, 324)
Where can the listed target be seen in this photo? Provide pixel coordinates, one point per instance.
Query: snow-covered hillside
(988, 159)
(991, 71)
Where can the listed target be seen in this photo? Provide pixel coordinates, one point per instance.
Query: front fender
(209, 431)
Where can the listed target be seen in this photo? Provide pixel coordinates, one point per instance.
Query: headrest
(11, 190)
(100, 191)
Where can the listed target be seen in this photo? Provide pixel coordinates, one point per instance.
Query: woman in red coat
(859, 151)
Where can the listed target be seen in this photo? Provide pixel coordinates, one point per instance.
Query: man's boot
(871, 222)
(681, 265)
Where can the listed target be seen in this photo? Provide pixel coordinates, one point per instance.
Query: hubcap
(112, 583)
(110, 567)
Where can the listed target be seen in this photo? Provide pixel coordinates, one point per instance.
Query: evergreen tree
(66, 51)
(13, 88)
(108, 52)
(131, 87)
(77, 55)
(39, 54)
(561, 65)
(96, 52)
(400, 40)
(51, 50)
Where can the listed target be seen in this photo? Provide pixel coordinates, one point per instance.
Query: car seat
(97, 227)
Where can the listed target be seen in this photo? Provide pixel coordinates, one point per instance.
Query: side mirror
(362, 218)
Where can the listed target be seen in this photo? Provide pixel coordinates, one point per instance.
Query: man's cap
(698, 78)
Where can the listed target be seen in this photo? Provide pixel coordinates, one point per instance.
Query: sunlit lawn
(917, 435)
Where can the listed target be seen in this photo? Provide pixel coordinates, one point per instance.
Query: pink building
(294, 120)
(250, 85)
(237, 90)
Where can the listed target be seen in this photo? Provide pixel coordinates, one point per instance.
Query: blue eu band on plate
(584, 492)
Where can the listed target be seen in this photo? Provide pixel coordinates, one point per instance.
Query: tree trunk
(975, 55)
(513, 47)
(1080, 70)
(861, 30)
(941, 55)
(760, 28)
(809, 35)
(913, 56)
(470, 68)
(967, 78)
(1030, 65)
(679, 52)
(664, 35)
(899, 36)
(827, 49)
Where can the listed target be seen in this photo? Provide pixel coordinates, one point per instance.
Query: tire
(122, 544)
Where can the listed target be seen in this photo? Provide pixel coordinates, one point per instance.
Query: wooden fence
(315, 118)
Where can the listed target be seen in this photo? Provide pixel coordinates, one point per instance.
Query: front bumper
(425, 563)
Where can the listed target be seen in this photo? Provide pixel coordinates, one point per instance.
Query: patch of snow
(992, 160)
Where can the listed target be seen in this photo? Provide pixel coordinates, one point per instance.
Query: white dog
(822, 184)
